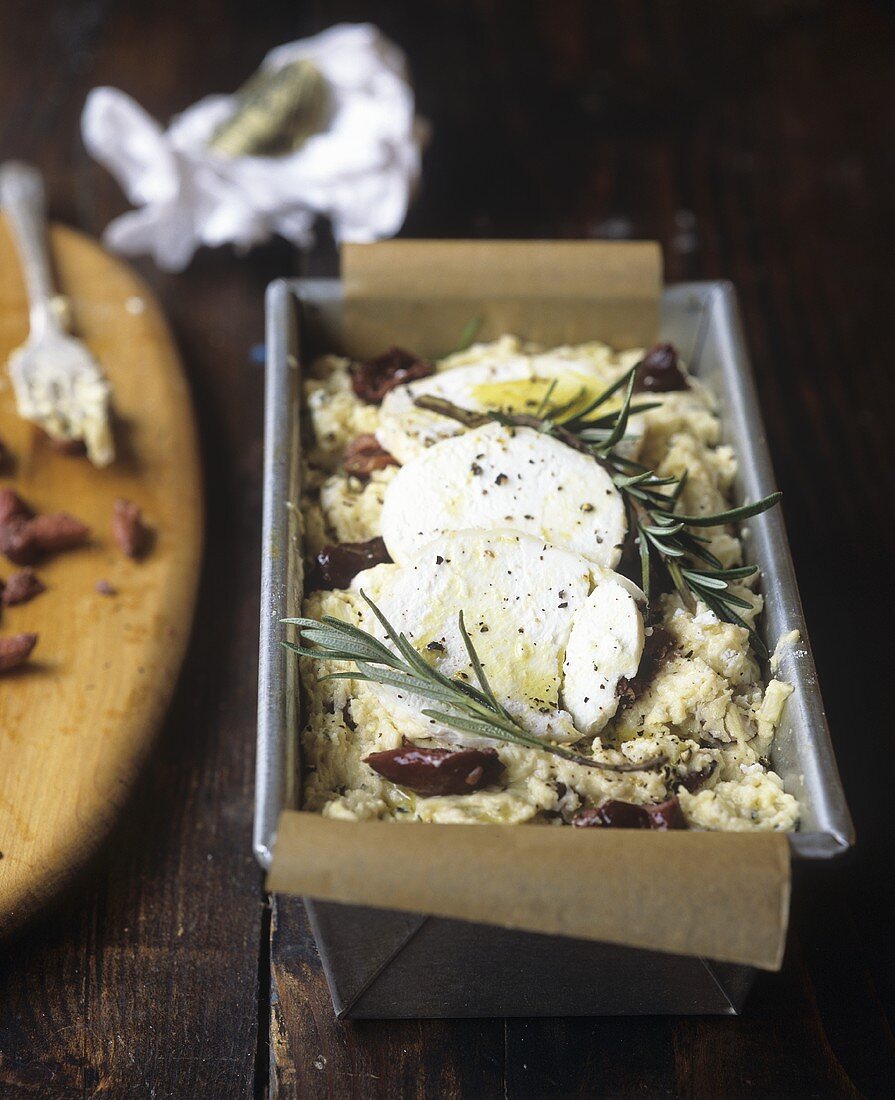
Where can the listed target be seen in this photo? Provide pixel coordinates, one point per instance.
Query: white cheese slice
(516, 384)
(523, 601)
(499, 477)
(518, 596)
(605, 644)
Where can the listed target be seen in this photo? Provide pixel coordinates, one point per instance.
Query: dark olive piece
(625, 815)
(372, 379)
(659, 371)
(437, 771)
(337, 565)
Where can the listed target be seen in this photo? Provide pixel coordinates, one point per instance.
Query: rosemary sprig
(652, 501)
(462, 706)
(468, 334)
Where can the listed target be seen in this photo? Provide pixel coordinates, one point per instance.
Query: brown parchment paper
(555, 292)
(722, 896)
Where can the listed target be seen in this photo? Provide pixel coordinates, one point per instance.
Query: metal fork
(57, 382)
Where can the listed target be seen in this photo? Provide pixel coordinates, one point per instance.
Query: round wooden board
(78, 720)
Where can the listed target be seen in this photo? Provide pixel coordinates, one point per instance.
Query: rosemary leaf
(545, 400)
(558, 412)
(477, 668)
(703, 580)
(625, 380)
(734, 515)
(469, 333)
(643, 546)
(621, 421)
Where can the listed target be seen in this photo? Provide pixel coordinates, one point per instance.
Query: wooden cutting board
(77, 722)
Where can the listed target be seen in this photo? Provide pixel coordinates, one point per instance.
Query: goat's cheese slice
(518, 596)
(517, 384)
(499, 477)
(605, 644)
(521, 599)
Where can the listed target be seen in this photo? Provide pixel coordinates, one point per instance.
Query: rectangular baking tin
(383, 964)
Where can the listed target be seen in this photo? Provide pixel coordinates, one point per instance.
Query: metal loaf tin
(383, 964)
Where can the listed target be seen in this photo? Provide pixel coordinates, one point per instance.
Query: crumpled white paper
(359, 172)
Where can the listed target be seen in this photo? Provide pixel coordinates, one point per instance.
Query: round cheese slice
(516, 384)
(605, 644)
(500, 477)
(520, 598)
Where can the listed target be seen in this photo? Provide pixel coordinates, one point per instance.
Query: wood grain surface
(754, 142)
(77, 720)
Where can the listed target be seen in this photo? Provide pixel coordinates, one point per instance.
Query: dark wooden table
(755, 141)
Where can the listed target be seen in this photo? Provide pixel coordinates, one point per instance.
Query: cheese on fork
(500, 477)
